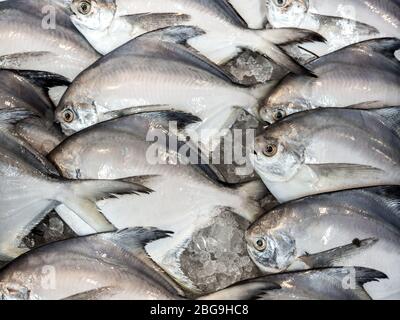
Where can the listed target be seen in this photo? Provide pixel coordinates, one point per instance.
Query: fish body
(146, 73)
(109, 24)
(90, 268)
(359, 74)
(327, 150)
(341, 22)
(37, 35)
(286, 236)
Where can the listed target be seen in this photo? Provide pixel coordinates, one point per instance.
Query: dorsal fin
(384, 46)
(167, 44)
(230, 12)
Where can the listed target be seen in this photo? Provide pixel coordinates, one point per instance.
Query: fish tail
(80, 196)
(269, 42)
(252, 193)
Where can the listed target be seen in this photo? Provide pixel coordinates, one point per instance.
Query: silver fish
(329, 149)
(108, 24)
(50, 272)
(42, 190)
(146, 73)
(184, 198)
(341, 22)
(350, 228)
(360, 75)
(38, 35)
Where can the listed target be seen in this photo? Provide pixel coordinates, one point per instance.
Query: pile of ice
(216, 256)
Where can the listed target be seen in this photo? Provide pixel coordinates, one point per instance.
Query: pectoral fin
(333, 256)
(95, 294)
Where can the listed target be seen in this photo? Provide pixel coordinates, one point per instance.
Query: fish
(91, 268)
(108, 24)
(363, 75)
(30, 188)
(147, 73)
(341, 22)
(38, 35)
(329, 149)
(346, 228)
(27, 89)
(185, 196)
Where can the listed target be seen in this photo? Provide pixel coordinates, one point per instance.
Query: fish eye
(84, 7)
(68, 115)
(270, 150)
(260, 244)
(279, 114)
(281, 3)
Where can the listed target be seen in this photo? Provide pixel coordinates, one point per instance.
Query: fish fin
(176, 34)
(362, 29)
(384, 46)
(134, 240)
(14, 115)
(162, 114)
(333, 256)
(252, 192)
(285, 36)
(261, 91)
(279, 56)
(365, 275)
(246, 290)
(368, 105)
(254, 189)
(43, 79)
(154, 21)
(168, 43)
(315, 56)
(347, 170)
(95, 294)
(81, 195)
(231, 12)
(274, 38)
(390, 117)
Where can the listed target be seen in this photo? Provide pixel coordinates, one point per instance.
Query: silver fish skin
(183, 198)
(340, 22)
(329, 149)
(19, 92)
(146, 73)
(358, 74)
(103, 260)
(285, 237)
(109, 24)
(35, 45)
(43, 190)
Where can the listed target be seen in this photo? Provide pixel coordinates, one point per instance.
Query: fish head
(93, 14)
(269, 245)
(278, 153)
(286, 13)
(76, 116)
(273, 112)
